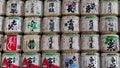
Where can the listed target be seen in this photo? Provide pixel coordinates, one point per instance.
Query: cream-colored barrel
(31, 43)
(89, 24)
(32, 25)
(50, 43)
(15, 8)
(70, 24)
(33, 60)
(33, 8)
(70, 43)
(13, 25)
(109, 43)
(10, 60)
(70, 7)
(109, 24)
(90, 42)
(110, 60)
(109, 7)
(1, 23)
(52, 7)
(2, 7)
(51, 25)
(89, 7)
(67, 58)
(90, 60)
(50, 60)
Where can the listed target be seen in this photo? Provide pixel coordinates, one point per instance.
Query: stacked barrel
(59, 34)
(90, 33)
(109, 40)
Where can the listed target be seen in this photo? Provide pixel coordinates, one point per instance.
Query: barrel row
(58, 7)
(69, 60)
(66, 24)
(55, 43)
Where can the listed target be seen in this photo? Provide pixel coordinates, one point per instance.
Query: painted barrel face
(70, 60)
(13, 25)
(70, 7)
(33, 8)
(89, 24)
(90, 60)
(1, 23)
(109, 24)
(10, 60)
(70, 24)
(50, 42)
(90, 42)
(50, 60)
(89, 7)
(70, 42)
(32, 25)
(109, 7)
(2, 7)
(52, 8)
(31, 43)
(31, 60)
(51, 25)
(12, 43)
(109, 43)
(110, 60)
(14, 8)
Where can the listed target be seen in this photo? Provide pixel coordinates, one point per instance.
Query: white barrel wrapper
(89, 7)
(14, 8)
(33, 8)
(109, 43)
(110, 60)
(90, 60)
(89, 24)
(70, 24)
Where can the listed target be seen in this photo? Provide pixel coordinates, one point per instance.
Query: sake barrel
(10, 60)
(110, 60)
(12, 43)
(32, 25)
(2, 7)
(51, 25)
(52, 7)
(109, 43)
(50, 43)
(31, 60)
(31, 43)
(13, 25)
(1, 42)
(109, 24)
(14, 8)
(70, 24)
(33, 8)
(89, 7)
(70, 43)
(90, 60)
(1, 23)
(89, 24)
(70, 7)
(70, 60)
(109, 7)
(50, 60)
(90, 42)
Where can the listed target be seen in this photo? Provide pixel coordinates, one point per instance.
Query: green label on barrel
(32, 25)
(31, 44)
